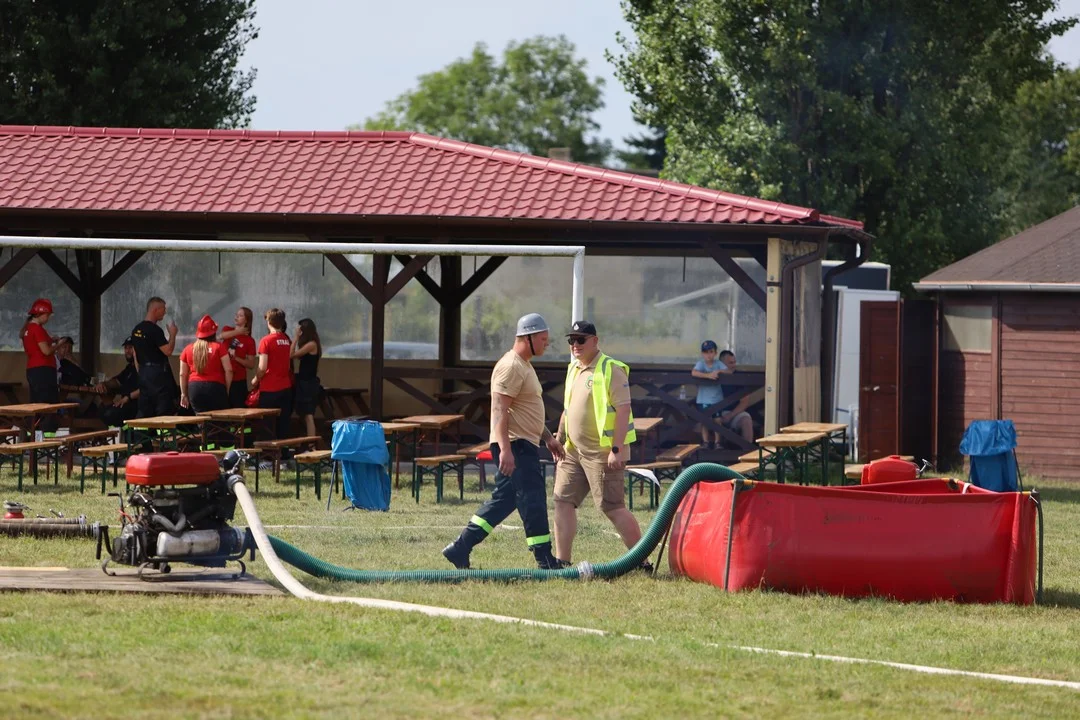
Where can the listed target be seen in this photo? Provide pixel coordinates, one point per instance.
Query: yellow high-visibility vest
(603, 410)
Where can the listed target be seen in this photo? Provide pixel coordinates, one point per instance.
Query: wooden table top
(28, 409)
(790, 439)
(166, 421)
(396, 427)
(812, 427)
(646, 424)
(433, 422)
(241, 414)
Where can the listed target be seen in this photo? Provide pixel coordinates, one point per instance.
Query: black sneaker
(457, 557)
(646, 567)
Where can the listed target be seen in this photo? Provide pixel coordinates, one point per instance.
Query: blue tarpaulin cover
(990, 444)
(360, 446)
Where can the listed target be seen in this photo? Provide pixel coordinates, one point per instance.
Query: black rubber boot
(457, 554)
(544, 559)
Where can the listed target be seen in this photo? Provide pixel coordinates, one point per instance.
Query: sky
(326, 64)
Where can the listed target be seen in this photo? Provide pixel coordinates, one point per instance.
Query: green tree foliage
(136, 63)
(886, 111)
(646, 151)
(1042, 159)
(538, 97)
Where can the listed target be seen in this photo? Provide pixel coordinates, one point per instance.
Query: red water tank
(888, 469)
(172, 468)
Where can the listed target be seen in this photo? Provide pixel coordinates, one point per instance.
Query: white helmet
(531, 324)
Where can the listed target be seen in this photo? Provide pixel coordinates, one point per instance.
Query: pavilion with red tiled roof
(371, 187)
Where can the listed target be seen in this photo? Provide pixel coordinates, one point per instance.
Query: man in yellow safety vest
(596, 430)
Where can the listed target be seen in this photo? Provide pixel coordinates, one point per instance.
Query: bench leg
(20, 457)
(297, 481)
(318, 481)
(461, 480)
(438, 483)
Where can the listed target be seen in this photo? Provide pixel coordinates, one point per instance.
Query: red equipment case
(888, 469)
(172, 468)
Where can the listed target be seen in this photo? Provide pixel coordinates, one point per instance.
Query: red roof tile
(343, 173)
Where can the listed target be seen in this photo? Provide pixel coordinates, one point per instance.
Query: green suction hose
(702, 472)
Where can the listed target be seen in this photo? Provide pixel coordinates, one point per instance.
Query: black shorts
(238, 393)
(283, 400)
(205, 396)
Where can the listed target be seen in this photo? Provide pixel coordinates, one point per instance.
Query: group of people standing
(222, 368)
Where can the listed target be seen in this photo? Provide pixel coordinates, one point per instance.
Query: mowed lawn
(170, 656)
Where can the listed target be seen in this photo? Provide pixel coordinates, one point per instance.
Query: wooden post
(89, 262)
(772, 336)
(450, 316)
(379, 279)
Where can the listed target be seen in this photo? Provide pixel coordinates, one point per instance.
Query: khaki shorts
(579, 475)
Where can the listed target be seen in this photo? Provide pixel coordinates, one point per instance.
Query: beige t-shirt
(516, 378)
(580, 421)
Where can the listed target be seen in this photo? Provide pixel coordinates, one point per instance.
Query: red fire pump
(178, 511)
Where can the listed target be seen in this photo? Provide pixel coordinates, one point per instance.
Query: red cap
(207, 328)
(41, 306)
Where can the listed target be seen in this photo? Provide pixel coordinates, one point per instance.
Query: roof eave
(977, 286)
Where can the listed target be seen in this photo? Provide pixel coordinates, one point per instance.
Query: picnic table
(792, 446)
(646, 427)
(394, 430)
(28, 417)
(345, 403)
(435, 423)
(166, 430)
(10, 391)
(238, 421)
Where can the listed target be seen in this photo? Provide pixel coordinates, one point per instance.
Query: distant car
(392, 350)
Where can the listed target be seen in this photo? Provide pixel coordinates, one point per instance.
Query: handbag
(252, 398)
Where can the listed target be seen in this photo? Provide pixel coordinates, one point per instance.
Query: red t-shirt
(276, 346)
(213, 372)
(244, 345)
(31, 336)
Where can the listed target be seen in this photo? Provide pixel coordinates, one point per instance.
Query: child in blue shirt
(709, 368)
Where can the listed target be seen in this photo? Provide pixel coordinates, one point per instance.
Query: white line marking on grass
(1016, 679)
(379, 527)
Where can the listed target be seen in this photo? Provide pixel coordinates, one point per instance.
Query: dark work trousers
(204, 396)
(523, 489)
(238, 393)
(43, 389)
(282, 399)
(114, 416)
(157, 391)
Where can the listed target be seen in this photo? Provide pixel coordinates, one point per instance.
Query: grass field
(111, 655)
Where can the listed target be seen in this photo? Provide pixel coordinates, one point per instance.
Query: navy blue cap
(707, 346)
(582, 327)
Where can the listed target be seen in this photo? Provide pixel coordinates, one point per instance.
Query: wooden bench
(436, 466)
(682, 453)
(273, 450)
(98, 455)
(75, 441)
(662, 469)
(317, 460)
(746, 468)
(47, 449)
(471, 454)
(853, 472)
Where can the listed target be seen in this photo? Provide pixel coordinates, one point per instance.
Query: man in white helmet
(517, 429)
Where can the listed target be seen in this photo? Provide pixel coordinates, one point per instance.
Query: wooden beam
(61, 271)
(736, 273)
(482, 273)
(120, 267)
(407, 273)
(380, 275)
(450, 316)
(353, 275)
(15, 264)
(425, 280)
(89, 262)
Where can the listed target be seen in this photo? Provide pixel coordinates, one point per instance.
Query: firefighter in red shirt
(40, 348)
(273, 378)
(205, 370)
(242, 353)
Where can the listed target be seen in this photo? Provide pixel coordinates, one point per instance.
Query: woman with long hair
(40, 350)
(242, 353)
(273, 378)
(308, 348)
(205, 370)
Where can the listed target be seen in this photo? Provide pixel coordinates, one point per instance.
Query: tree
(646, 151)
(133, 63)
(537, 98)
(1041, 161)
(885, 111)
